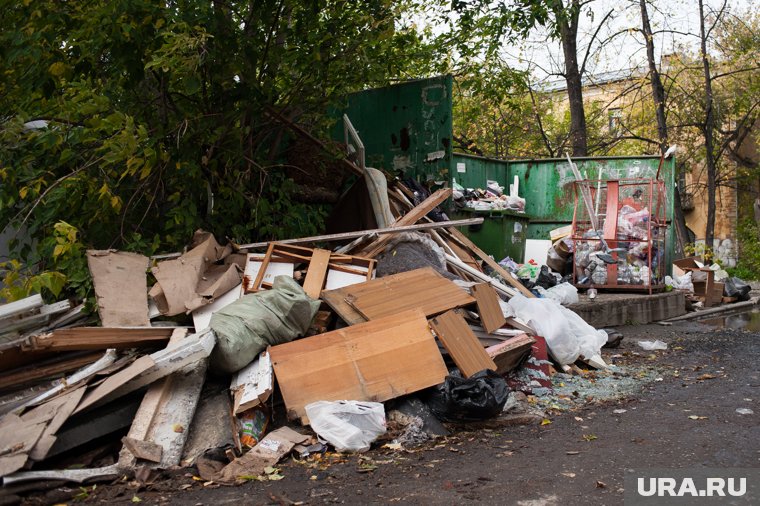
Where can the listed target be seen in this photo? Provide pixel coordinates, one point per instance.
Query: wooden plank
(47, 369)
(420, 288)
(477, 275)
(361, 233)
(491, 315)
(510, 353)
(377, 361)
(458, 339)
(464, 255)
(194, 348)
(336, 299)
(100, 338)
(410, 218)
(57, 411)
(115, 381)
(26, 305)
(315, 275)
(120, 282)
(253, 384)
(274, 268)
(493, 264)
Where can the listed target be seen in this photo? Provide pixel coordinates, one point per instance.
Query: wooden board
(372, 361)
(510, 353)
(115, 381)
(458, 339)
(100, 338)
(491, 315)
(336, 299)
(46, 369)
(253, 384)
(315, 275)
(420, 288)
(493, 264)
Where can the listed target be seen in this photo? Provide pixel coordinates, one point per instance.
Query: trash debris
(653, 345)
(745, 411)
(350, 426)
(478, 397)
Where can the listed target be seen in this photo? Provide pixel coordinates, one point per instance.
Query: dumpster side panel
(473, 171)
(405, 127)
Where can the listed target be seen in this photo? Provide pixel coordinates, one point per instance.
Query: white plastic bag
(564, 293)
(350, 426)
(683, 282)
(653, 345)
(567, 335)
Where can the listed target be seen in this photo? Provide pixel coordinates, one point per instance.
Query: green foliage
(748, 267)
(155, 117)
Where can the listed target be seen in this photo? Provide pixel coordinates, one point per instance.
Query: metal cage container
(631, 216)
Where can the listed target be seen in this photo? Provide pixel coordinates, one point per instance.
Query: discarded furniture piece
(420, 288)
(703, 278)
(509, 354)
(489, 309)
(377, 360)
(459, 340)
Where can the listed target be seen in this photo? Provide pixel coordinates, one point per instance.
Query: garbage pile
(492, 198)
(706, 285)
(290, 349)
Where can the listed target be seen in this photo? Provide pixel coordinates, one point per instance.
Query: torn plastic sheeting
(653, 345)
(567, 335)
(247, 326)
(350, 426)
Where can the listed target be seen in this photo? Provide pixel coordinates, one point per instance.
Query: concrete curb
(717, 311)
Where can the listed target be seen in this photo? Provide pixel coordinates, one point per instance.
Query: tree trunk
(658, 95)
(567, 23)
(707, 131)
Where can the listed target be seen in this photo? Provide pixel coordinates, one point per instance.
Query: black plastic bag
(735, 287)
(479, 397)
(545, 278)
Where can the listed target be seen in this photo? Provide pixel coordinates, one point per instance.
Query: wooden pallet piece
(459, 340)
(491, 315)
(377, 360)
(316, 273)
(421, 288)
(509, 354)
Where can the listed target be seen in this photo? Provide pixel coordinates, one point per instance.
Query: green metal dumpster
(502, 233)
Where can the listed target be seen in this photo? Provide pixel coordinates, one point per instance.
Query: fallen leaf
(589, 437)
(706, 376)
(695, 417)
(136, 499)
(545, 421)
(600, 484)
(178, 428)
(571, 453)
(185, 486)
(270, 470)
(619, 411)
(578, 419)
(569, 475)
(275, 477)
(393, 446)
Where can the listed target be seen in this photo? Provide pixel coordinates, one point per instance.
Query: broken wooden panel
(509, 354)
(46, 369)
(17, 439)
(491, 315)
(420, 288)
(372, 361)
(120, 282)
(336, 299)
(458, 339)
(55, 412)
(252, 385)
(20, 307)
(100, 338)
(166, 412)
(316, 273)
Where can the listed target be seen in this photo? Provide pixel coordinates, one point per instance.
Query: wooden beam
(42, 370)
(410, 218)
(493, 264)
(316, 273)
(99, 338)
(21, 306)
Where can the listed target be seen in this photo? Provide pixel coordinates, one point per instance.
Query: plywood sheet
(489, 309)
(336, 299)
(421, 288)
(121, 287)
(459, 340)
(372, 361)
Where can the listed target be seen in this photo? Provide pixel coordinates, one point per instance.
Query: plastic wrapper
(350, 426)
(253, 425)
(567, 335)
(479, 397)
(563, 293)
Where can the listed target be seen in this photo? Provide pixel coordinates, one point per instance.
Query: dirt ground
(580, 457)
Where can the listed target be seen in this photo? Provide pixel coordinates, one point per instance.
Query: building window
(615, 121)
